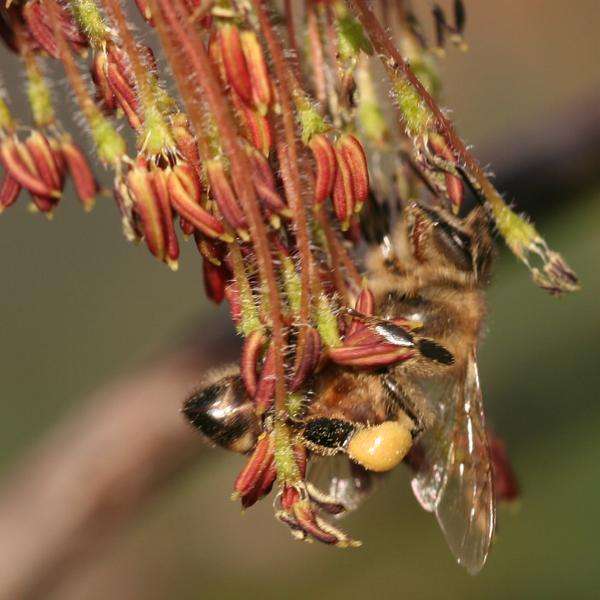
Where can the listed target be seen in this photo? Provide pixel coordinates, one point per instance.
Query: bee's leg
(400, 336)
(222, 411)
(326, 502)
(444, 165)
(347, 489)
(410, 399)
(327, 436)
(435, 352)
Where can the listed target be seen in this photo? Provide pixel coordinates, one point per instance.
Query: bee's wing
(336, 480)
(454, 478)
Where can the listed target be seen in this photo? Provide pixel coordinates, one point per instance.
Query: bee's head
(439, 238)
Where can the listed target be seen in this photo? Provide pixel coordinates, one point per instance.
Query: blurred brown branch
(77, 487)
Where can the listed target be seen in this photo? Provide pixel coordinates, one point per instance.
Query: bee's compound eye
(382, 447)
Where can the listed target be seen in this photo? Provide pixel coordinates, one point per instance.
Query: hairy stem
(192, 46)
(295, 196)
(110, 144)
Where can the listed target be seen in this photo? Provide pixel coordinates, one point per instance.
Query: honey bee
(431, 269)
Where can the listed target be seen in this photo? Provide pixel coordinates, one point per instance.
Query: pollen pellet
(382, 447)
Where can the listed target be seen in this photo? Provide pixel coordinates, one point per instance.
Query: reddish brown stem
(281, 69)
(113, 8)
(85, 101)
(339, 248)
(332, 250)
(316, 53)
(199, 61)
(185, 84)
(291, 35)
(397, 67)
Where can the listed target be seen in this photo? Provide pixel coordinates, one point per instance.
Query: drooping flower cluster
(267, 157)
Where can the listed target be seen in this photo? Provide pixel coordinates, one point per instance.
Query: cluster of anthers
(279, 136)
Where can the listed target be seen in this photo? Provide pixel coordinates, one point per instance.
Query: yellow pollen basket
(382, 447)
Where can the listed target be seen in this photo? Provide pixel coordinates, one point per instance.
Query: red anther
(265, 389)
(18, 161)
(104, 92)
(186, 227)
(186, 176)
(259, 129)
(59, 159)
(326, 163)
(369, 355)
(147, 207)
(39, 29)
(224, 195)
(215, 280)
(289, 497)
(363, 336)
(234, 62)
(212, 250)
(354, 155)
(454, 184)
(270, 198)
(122, 84)
(264, 184)
(308, 359)
(268, 479)
(308, 522)
(245, 480)
(261, 166)
(258, 72)
(185, 141)
(43, 203)
(455, 190)
(45, 161)
(344, 198)
(253, 344)
(258, 475)
(40, 26)
(365, 304)
(82, 175)
(159, 180)
(185, 195)
(9, 191)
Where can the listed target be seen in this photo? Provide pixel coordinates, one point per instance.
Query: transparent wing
(338, 485)
(454, 473)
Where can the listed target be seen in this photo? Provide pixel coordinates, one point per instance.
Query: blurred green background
(80, 306)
